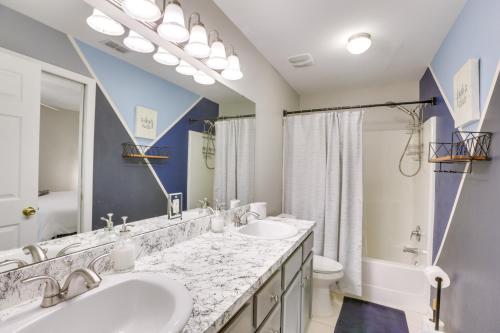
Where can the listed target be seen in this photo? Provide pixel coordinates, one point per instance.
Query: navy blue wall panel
(173, 173)
(121, 186)
(446, 183)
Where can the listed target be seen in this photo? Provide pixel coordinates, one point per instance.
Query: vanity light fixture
(137, 43)
(203, 78)
(142, 10)
(185, 68)
(359, 43)
(164, 57)
(197, 45)
(104, 24)
(173, 27)
(217, 59)
(232, 71)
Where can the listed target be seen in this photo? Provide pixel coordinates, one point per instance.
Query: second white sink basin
(266, 229)
(124, 303)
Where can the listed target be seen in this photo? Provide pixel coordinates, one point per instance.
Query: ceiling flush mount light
(104, 24)
(217, 59)
(142, 10)
(164, 57)
(173, 27)
(198, 41)
(359, 43)
(232, 71)
(203, 78)
(185, 68)
(137, 43)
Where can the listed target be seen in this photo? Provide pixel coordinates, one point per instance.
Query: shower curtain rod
(224, 118)
(431, 101)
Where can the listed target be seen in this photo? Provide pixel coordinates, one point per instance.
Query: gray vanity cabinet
(242, 322)
(306, 291)
(291, 306)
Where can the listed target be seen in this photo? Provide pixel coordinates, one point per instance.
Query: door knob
(29, 211)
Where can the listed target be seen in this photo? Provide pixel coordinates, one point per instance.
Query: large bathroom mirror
(78, 113)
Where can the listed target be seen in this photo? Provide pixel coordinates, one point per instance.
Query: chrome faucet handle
(20, 263)
(238, 218)
(64, 249)
(92, 264)
(37, 253)
(51, 292)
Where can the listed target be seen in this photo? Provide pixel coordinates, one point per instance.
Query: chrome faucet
(238, 219)
(54, 294)
(109, 221)
(417, 233)
(37, 253)
(20, 263)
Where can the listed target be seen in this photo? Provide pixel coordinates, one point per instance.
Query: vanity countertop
(222, 271)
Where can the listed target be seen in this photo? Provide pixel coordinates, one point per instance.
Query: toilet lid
(326, 265)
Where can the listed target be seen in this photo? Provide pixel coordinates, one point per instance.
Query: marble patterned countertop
(222, 271)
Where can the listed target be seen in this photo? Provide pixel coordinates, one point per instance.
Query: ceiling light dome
(173, 27)
(137, 43)
(232, 71)
(359, 43)
(164, 57)
(185, 68)
(203, 78)
(104, 24)
(217, 59)
(198, 41)
(142, 10)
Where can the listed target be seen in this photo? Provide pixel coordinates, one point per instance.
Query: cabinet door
(242, 322)
(291, 306)
(307, 270)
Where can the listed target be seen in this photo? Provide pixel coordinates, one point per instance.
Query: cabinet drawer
(242, 322)
(307, 246)
(272, 323)
(292, 266)
(267, 296)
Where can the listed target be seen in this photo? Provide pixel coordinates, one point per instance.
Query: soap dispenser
(124, 251)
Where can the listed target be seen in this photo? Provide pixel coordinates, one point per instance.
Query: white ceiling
(406, 35)
(61, 94)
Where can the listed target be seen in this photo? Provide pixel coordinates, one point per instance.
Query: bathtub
(395, 284)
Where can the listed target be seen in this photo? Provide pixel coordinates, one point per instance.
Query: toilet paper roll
(259, 208)
(234, 203)
(433, 272)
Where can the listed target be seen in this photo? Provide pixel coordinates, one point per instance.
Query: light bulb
(165, 58)
(142, 10)
(137, 43)
(359, 43)
(203, 78)
(185, 68)
(173, 27)
(198, 42)
(104, 24)
(232, 71)
(217, 59)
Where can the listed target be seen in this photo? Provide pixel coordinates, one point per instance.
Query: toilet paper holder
(439, 279)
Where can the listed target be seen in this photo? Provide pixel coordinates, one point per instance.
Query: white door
(19, 132)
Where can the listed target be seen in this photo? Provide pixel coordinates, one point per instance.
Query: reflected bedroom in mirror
(113, 133)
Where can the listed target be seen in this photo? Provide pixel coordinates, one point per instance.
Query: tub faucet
(238, 219)
(413, 250)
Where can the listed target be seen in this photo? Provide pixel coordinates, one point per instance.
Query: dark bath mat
(358, 316)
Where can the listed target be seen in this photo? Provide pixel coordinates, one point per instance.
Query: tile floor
(327, 324)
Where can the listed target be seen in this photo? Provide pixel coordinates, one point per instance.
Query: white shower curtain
(323, 182)
(234, 160)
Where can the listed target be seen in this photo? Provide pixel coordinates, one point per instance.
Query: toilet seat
(324, 265)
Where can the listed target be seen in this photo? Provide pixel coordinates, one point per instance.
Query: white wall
(59, 139)
(236, 108)
(200, 181)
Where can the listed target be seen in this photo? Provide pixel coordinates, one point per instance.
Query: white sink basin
(123, 303)
(266, 229)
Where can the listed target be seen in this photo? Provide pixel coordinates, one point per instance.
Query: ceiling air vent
(301, 60)
(115, 46)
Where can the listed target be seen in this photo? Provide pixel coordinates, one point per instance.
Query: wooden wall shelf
(131, 150)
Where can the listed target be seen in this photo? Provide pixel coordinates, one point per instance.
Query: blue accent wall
(473, 35)
(129, 86)
(446, 185)
(173, 173)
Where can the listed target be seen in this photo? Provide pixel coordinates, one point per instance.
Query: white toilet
(326, 272)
